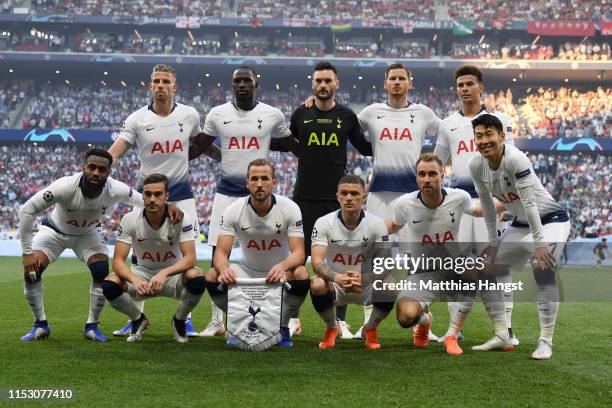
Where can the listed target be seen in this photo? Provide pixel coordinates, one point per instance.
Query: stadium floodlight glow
(513, 79)
(206, 75)
(123, 83)
(57, 71)
(218, 84)
(360, 77)
(105, 72)
(142, 83)
(435, 37)
(67, 82)
(566, 80)
(199, 84)
(11, 70)
(258, 76)
(277, 87)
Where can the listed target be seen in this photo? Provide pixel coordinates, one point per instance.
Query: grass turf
(205, 372)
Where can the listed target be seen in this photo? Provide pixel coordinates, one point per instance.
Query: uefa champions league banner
(584, 144)
(254, 314)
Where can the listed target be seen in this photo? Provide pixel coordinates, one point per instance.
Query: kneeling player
(436, 216)
(81, 201)
(166, 261)
(269, 228)
(339, 241)
(539, 230)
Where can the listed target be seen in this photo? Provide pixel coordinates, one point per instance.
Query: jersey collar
(444, 194)
(238, 109)
(407, 106)
(144, 214)
(269, 209)
(361, 217)
(482, 108)
(150, 107)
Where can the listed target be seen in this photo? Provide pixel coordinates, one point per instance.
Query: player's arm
(295, 259)
(203, 143)
(392, 227)
(442, 149)
(34, 206)
(181, 266)
(487, 204)
(221, 259)
(124, 272)
(324, 271)
(358, 140)
(285, 144)
(118, 149)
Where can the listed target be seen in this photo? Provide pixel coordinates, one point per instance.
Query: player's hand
(356, 281)
(543, 259)
(175, 214)
(142, 287)
(499, 207)
(309, 102)
(228, 276)
(489, 108)
(276, 273)
(488, 254)
(506, 216)
(344, 281)
(30, 265)
(157, 283)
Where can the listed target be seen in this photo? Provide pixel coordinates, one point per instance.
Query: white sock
(217, 313)
(377, 315)
(459, 317)
(367, 313)
(548, 317)
(96, 302)
(125, 305)
(508, 297)
(34, 294)
(187, 303)
(496, 309)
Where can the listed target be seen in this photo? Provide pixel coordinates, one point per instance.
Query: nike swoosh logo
(226, 122)
(140, 240)
(416, 222)
(244, 229)
(453, 129)
(148, 129)
(379, 117)
(308, 121)
(335, 240)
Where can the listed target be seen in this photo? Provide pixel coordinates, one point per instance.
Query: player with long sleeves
(539, 230)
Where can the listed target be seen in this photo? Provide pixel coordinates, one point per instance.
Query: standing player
(433, 215)
(456, 141)
(269, 229)
(322, 133)
(81, 202)
(540, 227)
(396, 130)
(245, 128)
(599, 250)
(161, 132)
(339, 241)
(166, 261)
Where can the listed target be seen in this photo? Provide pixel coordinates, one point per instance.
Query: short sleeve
(399, 215)
(129, 130)
(294, 220)
(210, 127)
(196, 129)
(320, 232)
(228, 221)
(126, 229)
(467, 203)
(186, 229)
(433, 123)
(363, 122)
(281, 128)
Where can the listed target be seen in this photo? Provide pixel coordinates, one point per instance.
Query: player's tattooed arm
(200, 144)
(323, 270)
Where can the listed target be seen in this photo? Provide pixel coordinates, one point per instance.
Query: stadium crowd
(580, 182)
(516, 49)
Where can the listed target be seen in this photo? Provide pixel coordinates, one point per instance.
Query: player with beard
(81, 202)
(245, 128)
(321, 133)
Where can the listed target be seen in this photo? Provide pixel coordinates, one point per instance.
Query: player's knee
(196, 286)
(407, 314)
(299, 287)
(111, 290)
(99, 270)
(544, 277)
(318, 286)
(218, 294)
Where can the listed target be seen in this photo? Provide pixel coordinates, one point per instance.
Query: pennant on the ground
(254, 313)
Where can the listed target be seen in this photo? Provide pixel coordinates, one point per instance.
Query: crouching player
(432, 217)
(269, 229)
(166, 261)
(539, 230)
(340, 241)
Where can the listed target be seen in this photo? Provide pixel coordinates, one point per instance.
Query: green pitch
(205, 372)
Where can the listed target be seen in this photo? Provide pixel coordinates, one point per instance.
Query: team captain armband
(522, 174)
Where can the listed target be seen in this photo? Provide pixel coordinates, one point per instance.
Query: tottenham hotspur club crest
(278, 228)
(411, 118)
(260, 122)
(452, 214)
(181, 126)
(253, 312)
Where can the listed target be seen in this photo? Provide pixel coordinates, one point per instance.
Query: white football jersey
(345, 247)
(244, 137)
(74, 214)
(456, 139)
(263, 240)
(424, 225)
(397, 137)
(514, 171)
(163, 145)
(154, 248)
